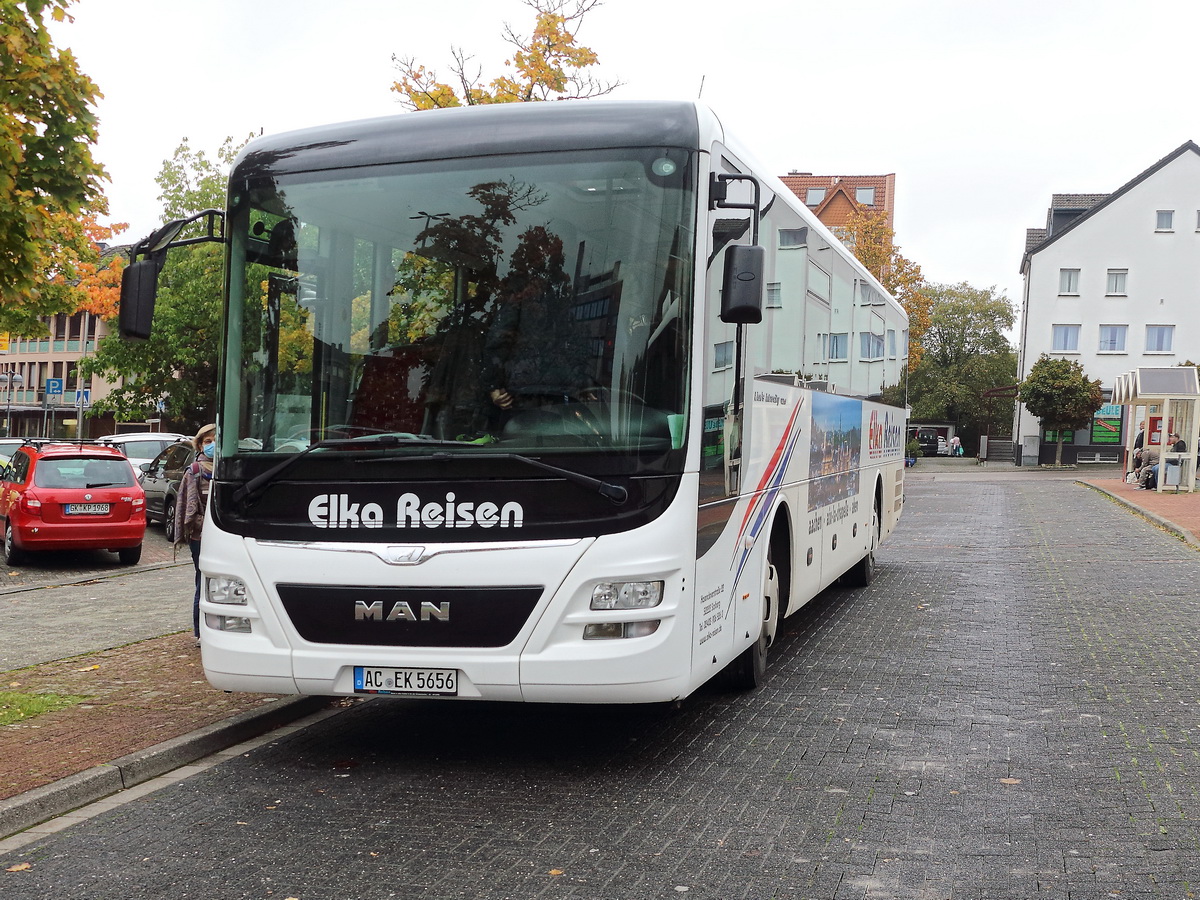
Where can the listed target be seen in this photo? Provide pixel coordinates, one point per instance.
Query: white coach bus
(544, 402)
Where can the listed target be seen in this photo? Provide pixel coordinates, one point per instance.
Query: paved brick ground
(1182, 509)
(1010, 711)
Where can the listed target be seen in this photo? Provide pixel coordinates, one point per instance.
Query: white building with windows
(1112, 281)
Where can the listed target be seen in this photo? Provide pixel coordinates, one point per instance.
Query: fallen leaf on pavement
(88, 668)
(1010, 780)
(19, 867)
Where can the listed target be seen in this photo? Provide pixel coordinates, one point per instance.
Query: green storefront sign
(1106, 425)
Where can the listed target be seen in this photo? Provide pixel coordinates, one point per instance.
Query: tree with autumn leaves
(958, 348)
(50, 185)
(872, 242)
(548, 64)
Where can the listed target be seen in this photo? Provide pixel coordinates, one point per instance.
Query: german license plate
(382, 680)
(86, 509)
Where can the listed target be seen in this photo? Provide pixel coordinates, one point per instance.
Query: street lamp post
(11, 382)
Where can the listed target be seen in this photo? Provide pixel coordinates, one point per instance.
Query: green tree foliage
(49, 182)
(964, 353)
(546, 65)
(1059, 393)
(178, 364)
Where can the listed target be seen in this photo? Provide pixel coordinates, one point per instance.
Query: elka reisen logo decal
(338, 511)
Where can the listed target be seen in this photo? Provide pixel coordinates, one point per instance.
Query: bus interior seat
(384, 400)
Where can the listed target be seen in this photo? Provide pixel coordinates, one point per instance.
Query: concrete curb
(1166, 524)
(36, 806)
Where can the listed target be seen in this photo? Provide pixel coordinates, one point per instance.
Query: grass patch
(18, 707)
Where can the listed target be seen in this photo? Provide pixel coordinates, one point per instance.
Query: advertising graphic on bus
(561, 402)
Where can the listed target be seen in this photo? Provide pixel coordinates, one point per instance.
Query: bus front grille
(409, 617)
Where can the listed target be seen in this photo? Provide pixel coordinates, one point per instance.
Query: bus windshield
(534, 303)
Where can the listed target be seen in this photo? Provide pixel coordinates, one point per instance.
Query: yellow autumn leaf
(556, 871)
(88, 668)
(19, 867)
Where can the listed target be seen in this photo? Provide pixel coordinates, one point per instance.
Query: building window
(1116, 282)
(723, 355)
(868, 296)
(865, 195)
(813, 196)
(891, 342)
(839, 347)
(793, 237)
(1068, 281)
(774, 295)
(1159, 338)
(1165, 220)
(1112, 338)
(1066, 339)
(870, 345)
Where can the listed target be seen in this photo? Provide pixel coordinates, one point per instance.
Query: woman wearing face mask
(190, 506)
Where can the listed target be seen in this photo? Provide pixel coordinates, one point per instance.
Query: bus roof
(477, 131)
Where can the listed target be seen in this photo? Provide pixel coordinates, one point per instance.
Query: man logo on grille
(401, 611)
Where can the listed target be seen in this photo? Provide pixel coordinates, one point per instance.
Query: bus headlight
(227, 623)
(606, 631)
(225, 589)
(627, 594)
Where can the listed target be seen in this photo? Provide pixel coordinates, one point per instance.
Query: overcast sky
(981, 108)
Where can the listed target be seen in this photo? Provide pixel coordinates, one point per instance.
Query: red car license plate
(86, 509)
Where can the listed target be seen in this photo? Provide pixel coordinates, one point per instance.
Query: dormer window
(865, 195)
(814, 196)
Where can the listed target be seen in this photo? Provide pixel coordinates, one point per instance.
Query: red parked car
(59, 496)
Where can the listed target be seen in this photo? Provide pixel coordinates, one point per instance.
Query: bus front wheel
(749, 669)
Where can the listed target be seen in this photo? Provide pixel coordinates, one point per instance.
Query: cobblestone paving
(1009, 711)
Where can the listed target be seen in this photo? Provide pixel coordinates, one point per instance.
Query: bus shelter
(1163, 400)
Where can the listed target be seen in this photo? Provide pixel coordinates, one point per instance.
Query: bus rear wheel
(863, 571)
(749, 669)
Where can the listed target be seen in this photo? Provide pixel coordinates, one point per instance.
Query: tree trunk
(1058, 450)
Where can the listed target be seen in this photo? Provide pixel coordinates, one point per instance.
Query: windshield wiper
(260, 481)
(614, 492)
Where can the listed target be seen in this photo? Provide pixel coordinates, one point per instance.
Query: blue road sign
(54, 385)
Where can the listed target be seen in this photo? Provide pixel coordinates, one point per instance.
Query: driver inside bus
(534, 354)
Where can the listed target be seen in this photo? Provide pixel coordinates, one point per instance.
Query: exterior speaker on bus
(741, 288)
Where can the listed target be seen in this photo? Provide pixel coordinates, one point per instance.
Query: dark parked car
(926, 437)
(160, 480)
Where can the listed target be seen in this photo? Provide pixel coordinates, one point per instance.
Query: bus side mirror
(741, 285)
(139, 288)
